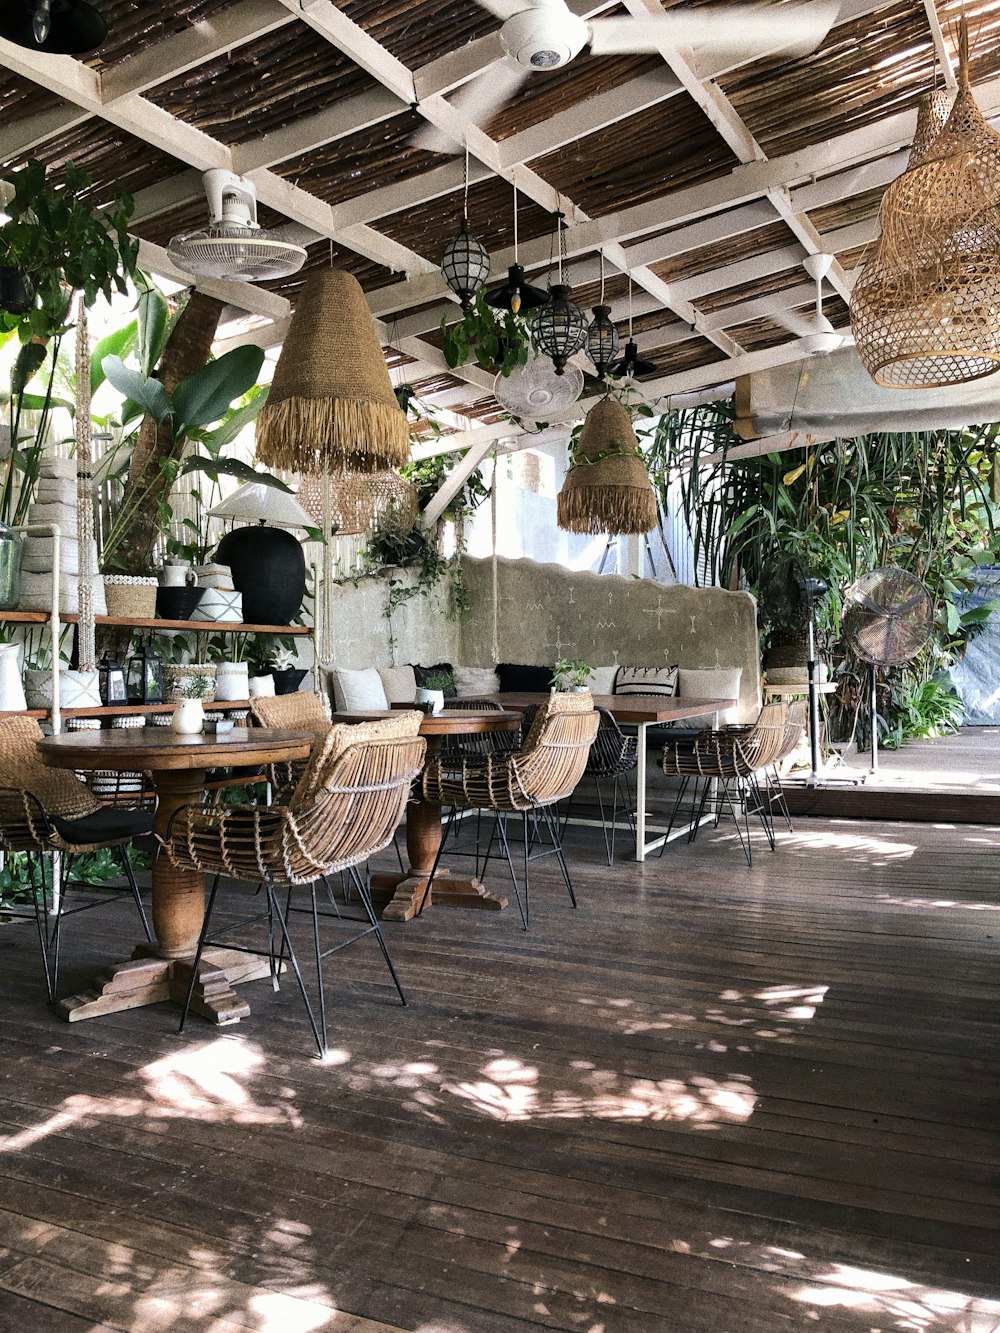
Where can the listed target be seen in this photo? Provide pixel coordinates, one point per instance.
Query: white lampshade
(257, 503)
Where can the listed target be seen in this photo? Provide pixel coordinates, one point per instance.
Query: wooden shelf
(154, 622)
(119, 710)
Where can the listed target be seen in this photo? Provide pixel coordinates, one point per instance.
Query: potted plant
(571, 675)
(432, 690)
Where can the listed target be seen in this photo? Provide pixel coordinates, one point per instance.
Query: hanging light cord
(630, 306)
(601, 253)
(465, 186)
(494, 572)
(514, 183)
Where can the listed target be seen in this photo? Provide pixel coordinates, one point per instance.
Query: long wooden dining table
(641, 711)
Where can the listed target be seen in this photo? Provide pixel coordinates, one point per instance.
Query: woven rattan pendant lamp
(357, 500)
(331, 403)
(608, 488)
(925, 312)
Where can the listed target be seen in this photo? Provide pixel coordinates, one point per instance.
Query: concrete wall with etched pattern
(547, 612)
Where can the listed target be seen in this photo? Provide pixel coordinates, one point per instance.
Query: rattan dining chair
(345, 808)
(45, 810)
(529, 782)
(614, 755)
(731, 758)
(300, 711)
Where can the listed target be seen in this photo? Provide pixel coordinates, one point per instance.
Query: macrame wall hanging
(86, 629)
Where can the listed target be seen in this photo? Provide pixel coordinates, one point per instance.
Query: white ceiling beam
(455, 480)
(596, 113)
(338, 121)
(941, 51)
(24, 135)
(171, 57)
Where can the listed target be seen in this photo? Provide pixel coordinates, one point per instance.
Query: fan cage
(246, 254)
(535, 392)
(888, 617)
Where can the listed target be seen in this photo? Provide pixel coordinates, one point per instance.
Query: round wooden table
(399, 896)
(178, 765)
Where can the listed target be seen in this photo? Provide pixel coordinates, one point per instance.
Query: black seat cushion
(109, 824)
(517, 678)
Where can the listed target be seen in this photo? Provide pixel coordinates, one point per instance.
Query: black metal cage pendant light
(466, 263)
(560, 327)
(631, 364)
(602, 336)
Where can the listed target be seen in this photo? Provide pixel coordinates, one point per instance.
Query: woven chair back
(301, 711)
(57, 790)
(733, 752)
(345, 808)
(554, 755)
(613, 751)
(795, 725)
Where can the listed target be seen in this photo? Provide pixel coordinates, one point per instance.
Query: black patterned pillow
(647, 680)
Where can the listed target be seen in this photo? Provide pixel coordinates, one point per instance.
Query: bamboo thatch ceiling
(704, 180)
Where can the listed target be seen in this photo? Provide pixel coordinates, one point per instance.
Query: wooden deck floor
(710, 1100)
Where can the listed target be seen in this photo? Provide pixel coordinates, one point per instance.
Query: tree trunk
(187, 350)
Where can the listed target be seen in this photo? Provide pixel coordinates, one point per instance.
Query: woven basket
(608, 488)
(179, 681)
(128, 596)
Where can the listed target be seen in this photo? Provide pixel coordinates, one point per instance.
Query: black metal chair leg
(320, 1039)
(744, 842)
(319, 966)
(40, 905)
(557, 847)
(198, 952)
(430, 877)
(136, 898)
(681, 790)
(366, 899)
(56, 936)
(501, 830)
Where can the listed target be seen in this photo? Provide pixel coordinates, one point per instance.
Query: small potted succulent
(570, 676)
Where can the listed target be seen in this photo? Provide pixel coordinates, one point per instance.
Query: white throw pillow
(399, 683)
(472, 682)
(360, 690)
(712, 683)
(602, 680)
(647, 680)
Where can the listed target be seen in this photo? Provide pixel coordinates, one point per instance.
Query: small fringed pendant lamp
(608, 488)
(331, 403)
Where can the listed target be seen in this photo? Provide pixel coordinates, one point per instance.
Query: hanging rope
(324, 599)
(84, 496)
(494, 571)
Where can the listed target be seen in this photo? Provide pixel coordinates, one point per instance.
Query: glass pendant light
(560, 327)
(602, 336)
(466, 263)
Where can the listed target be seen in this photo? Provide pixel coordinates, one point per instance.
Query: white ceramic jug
(188, 717)
(12, 698)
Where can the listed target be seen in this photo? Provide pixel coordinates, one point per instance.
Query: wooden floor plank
(711, 1099)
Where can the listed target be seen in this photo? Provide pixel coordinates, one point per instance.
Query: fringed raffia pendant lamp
(925, 312)
(608, 488)
(357, 500)
(331, 403)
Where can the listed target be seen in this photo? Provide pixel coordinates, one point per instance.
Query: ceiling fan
(539, 35)
(817, 333)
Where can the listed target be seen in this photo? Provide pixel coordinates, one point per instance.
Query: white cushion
(399, 683)
(358, 690)
(712, 683)
(602, 680)
(647, 680)
(471, 682)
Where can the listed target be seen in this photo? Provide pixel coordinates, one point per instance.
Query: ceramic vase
(261, 687)
(232, 681)
(433, 697)
(188, 717)
(12, 698)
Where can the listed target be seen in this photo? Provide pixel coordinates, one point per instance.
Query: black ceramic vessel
(289, 680)
(177, 603)
(269, 569)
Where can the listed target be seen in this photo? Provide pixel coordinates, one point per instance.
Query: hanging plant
(498, 339)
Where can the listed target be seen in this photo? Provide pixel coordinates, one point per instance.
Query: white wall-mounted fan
(535, 393)
(817, 333)
(233, 245)
(539, 35)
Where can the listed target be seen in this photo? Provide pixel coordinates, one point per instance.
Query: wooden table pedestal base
(398, 897)
(148, 979)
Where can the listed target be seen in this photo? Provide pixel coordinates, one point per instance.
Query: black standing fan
(57, 27)
(888, 614)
